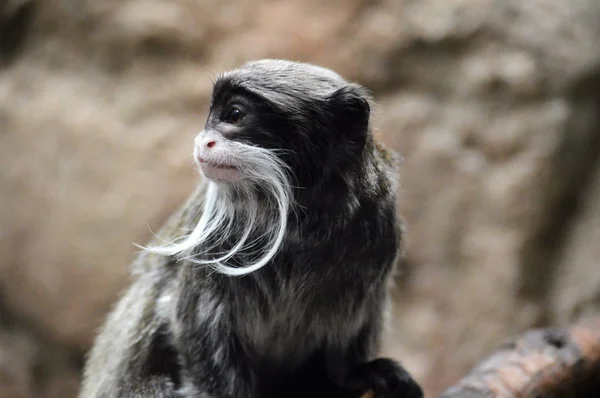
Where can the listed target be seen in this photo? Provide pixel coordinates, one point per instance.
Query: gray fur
(311, 317)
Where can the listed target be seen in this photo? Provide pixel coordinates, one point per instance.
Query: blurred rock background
(494, 104)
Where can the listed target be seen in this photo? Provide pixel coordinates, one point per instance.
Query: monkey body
(307, 300)
(307, 322)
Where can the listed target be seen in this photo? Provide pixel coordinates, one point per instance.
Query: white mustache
(221, 217)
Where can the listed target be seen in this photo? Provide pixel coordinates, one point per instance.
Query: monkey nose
(206, 140)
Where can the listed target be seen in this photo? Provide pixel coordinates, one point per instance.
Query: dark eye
(233, 115)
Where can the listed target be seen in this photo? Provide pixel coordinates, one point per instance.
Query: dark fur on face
(308, 320)
(319, 119)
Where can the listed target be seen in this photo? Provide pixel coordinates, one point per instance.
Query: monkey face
(301, 119)
(278, 133)
(217, 152)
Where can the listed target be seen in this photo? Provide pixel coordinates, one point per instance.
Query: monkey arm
(125, 358)
(130, 357)
(342, 360)
(354, 370)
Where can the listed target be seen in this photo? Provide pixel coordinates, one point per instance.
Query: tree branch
(549, 363)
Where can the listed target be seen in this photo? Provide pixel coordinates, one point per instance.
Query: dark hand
(387, 379)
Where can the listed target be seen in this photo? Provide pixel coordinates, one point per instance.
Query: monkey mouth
(207, 163)
(218, 171)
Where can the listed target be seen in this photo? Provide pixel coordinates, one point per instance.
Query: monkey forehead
(280, 68)
(275, 78)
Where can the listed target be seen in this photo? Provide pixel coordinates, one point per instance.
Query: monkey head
(275, 128)
(301, 119)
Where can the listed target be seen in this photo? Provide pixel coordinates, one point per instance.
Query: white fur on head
(221, 214)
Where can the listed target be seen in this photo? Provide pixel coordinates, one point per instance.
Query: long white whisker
(230, 253)
(226, 206)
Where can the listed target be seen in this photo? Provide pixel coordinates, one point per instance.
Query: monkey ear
(351, 111)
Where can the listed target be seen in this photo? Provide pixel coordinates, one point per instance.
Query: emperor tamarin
(272, 280)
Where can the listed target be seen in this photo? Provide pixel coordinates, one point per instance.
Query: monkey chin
(220, 173)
